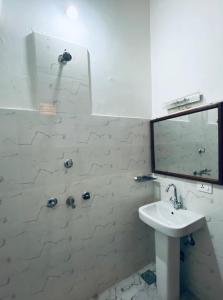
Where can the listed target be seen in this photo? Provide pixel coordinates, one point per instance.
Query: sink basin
(170, 225)
(169, 221)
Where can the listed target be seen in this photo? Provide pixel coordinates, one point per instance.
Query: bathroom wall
(186, 56)
(186, 50)
(64, 253)
(113, 32)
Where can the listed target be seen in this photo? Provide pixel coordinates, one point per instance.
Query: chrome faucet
(177, 204)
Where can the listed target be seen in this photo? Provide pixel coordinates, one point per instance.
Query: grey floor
(135, 288)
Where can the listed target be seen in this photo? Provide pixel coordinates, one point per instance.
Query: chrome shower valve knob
(68, 163)
(71, 202)
(86, 196)
(52, 202)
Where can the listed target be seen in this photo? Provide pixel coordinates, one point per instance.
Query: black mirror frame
(218, 181)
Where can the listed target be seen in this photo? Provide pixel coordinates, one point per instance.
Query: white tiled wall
(65, 253)
(113, 32)
(65, 87)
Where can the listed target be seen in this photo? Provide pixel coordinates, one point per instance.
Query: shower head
(65, 57)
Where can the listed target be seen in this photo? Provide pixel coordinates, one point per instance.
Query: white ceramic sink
(170, 225)
(169, 221)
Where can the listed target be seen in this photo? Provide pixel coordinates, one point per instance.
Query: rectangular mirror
(189, 144)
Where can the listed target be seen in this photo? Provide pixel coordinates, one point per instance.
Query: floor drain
(149, 277)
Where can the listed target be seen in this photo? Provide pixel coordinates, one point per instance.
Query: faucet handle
(171, 199)
(52, 202)
(71, 202)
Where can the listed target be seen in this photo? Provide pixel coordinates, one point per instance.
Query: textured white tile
(135, 288)
(66, 253)
(66, 87)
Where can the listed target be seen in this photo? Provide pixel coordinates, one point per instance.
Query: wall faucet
(177, 204)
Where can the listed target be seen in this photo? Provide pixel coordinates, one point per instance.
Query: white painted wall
(187, 56)
(186, 50)
(115, 33)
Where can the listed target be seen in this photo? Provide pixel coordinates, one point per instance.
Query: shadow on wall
(31, 68)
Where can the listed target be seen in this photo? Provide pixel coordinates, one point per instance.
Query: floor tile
(135, 288)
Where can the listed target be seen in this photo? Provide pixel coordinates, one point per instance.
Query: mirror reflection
(188, 144)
